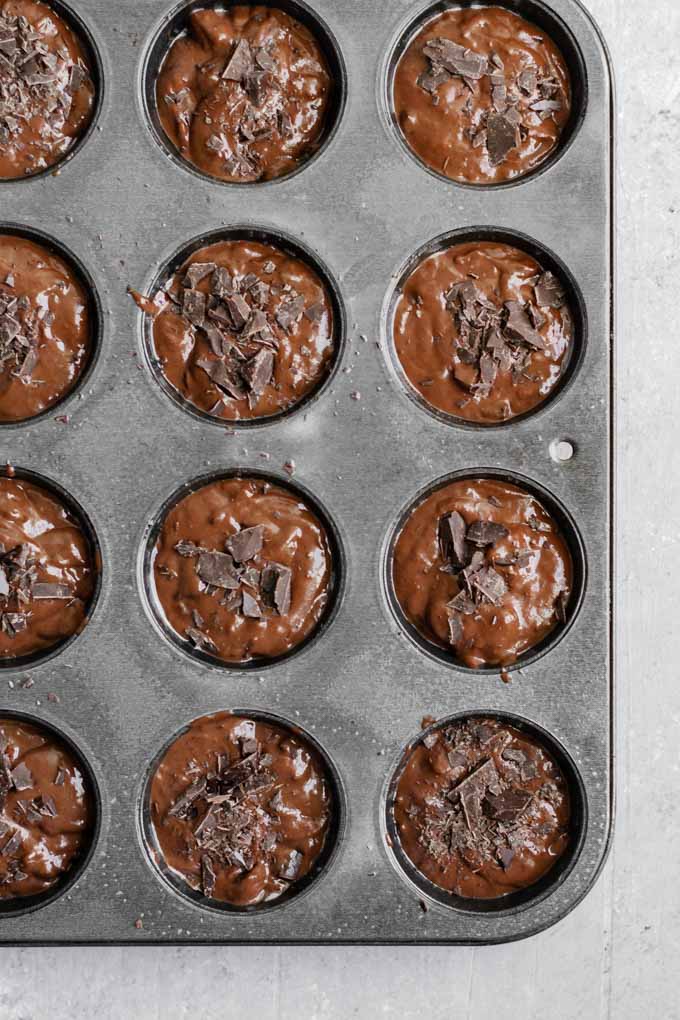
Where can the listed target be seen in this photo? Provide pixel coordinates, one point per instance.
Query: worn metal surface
(364, 205)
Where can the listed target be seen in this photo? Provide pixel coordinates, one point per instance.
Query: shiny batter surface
(242, 569)
(243, 94)
(47, 570)
(46, 90)
(45, 328)
(481, 569)
(46, 809)
(240, 808)
(481, 95)
(249, 335)
(482, 809)
(482, 331)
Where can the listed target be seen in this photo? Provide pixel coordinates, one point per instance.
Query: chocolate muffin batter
(46, 90)
(243, 330)
(482, 331)
(46, 809)
(244, 93)
(240, 808)
(479, 568)
(242, 569)
(481, 95)
(45, 328)
(47, 570)
(482, 809)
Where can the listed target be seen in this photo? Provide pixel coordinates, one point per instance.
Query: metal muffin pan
(363, 448)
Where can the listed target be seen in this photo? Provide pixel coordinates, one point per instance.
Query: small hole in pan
(323, 863)
(151, 601)
(26, 904)
(95, 314)
(533, 11)
(511, 902)
(83, 521)
(285, 243)
(569, 532)
(547, 260)
(175, 24)
(94, 62)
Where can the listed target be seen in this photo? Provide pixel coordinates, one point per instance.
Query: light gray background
(617, 954)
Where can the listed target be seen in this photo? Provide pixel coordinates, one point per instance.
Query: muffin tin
(120, 447)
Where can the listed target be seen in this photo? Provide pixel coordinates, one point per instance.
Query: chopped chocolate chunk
(452, 538)
(549, 291)
(520, 325)
(482, 533)
(454, 58)
(473, 789)
(12, 844)
(276, 586)
(208, 876)
(217, 569)
(508, 805)
(198, 271)
(501, 136)
(291, 868)
(194, 306)
(22, 777)
(221, 283)
(250, 606)
(246, 544)
(490, 583)
(240, 62)
(200, 640)
(239, 310)
(289, 313)
(180, 808)
(257, 372)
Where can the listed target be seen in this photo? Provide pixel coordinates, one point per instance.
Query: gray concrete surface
(617, 955)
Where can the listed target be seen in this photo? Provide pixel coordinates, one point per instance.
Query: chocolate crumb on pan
(243, 330)
(481, 95)
(482, 809)
(481, 570)
(244, 93)
(47, 92)
(241, 809)
(482, 332)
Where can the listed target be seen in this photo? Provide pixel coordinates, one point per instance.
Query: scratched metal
(123, 206)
